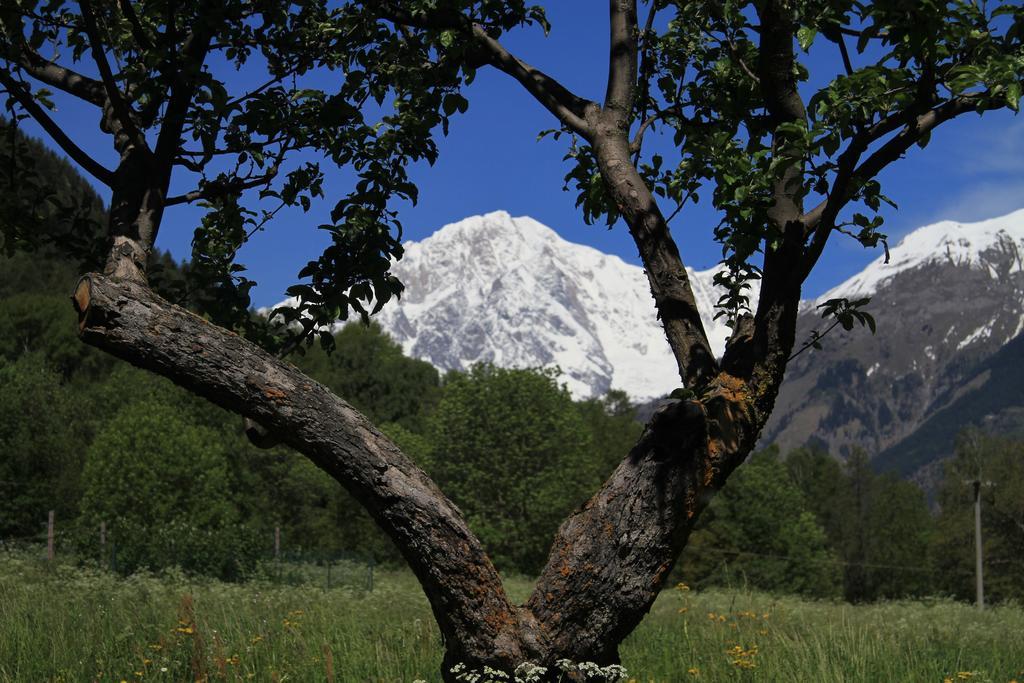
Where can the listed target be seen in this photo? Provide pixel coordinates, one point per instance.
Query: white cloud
(979, 201)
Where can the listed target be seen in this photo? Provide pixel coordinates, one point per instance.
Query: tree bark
(666, 274)
(611, 557)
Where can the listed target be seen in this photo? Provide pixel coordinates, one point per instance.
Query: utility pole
(978, 576)
(979, 579)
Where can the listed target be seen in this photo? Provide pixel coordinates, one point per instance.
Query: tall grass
(77, 624)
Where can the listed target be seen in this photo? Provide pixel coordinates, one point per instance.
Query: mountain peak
(968, 244)
(511, 291)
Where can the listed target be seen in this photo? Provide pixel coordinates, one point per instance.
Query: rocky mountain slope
(950, 299)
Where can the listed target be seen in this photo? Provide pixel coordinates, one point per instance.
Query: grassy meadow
(72, 624)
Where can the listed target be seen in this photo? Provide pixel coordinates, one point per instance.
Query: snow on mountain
(978, 244)
(511, 291)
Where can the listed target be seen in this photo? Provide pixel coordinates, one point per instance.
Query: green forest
(175, 483)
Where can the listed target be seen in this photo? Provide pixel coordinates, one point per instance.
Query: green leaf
(805, 35)
(454, 102)
(1013, 96)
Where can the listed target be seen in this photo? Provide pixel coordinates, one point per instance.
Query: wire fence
(272, 558)
(267, 555)
(915, 569)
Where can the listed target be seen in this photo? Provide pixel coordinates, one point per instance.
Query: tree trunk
(609, 559)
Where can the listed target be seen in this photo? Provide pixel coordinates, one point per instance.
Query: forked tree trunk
(609, 558)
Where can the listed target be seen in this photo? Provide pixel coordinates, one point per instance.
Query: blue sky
(973, 169)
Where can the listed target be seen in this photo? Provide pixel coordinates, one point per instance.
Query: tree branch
(20, 92)
(643, 83)
(611, 556)
(437, 19)
(193, 51)
(556, 98)
(56, 76)
(638, 139)
(847, 64)
(847, 161)
(138, 32)
(774, 327)
(213, 190)
(125, 319)
(121, 107)
(568, 108)
(822, 217)
(622, 59)
(670, 283)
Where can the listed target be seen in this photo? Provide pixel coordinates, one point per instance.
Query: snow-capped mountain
(511, 291)
(949, 300)
(996, 244)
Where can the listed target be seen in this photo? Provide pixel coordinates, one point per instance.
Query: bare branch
(214, 190)
(847, 161)
(440, 20)
(643, 82)
(638, 139)
(194, 166)
(57, 76)
(556, 98)
(782, 100)
(735, 52)
(21, 93)
(847, 64)
(622, 58)
(122, 318)
(774, 323)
